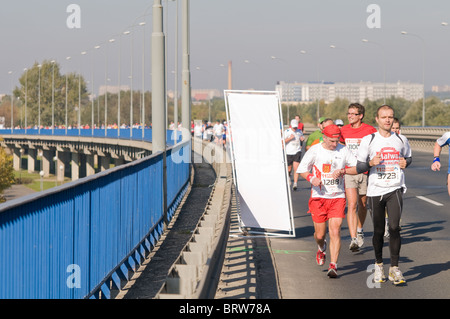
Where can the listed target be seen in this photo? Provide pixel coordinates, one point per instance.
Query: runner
(355, 186)
(396, 129)
(339, 123)
(293, 138)
(385, 154)
(300, 124)
(436, 166)
(316, 136)
(324, 166)
(218, 132)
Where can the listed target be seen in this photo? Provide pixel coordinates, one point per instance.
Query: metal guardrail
(423, 139)
(84, 239)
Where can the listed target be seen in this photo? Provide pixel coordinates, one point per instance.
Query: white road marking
(429, 200)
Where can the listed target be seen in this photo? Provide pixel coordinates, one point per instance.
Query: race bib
(332, 185)
(353, 145)
(388, 172)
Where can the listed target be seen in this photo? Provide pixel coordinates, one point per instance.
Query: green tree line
(43, 85)
(409, 113)
(48, 83)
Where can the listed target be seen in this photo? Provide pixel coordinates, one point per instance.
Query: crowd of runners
(359, 167)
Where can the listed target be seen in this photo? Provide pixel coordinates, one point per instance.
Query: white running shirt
(294, 145)
(445, 140)
(387, 176)
(322, 163)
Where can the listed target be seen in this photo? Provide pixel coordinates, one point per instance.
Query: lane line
(429, 200)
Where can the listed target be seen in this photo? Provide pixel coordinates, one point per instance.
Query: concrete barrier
(196, 272)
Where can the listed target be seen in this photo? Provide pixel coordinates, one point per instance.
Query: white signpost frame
(256, 148)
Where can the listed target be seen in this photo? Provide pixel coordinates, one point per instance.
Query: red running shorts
(322, 209)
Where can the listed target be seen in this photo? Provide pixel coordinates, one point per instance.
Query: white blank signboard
(258, 158)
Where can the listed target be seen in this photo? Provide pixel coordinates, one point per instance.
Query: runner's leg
(334, 227)
(352, 218)
(362, 210)
(448, 184)
(320, 231)
(378, 212)
(394, 207)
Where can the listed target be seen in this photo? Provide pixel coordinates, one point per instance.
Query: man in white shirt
(324, 166)
(385, 154)
(218, 132)
(436, 166)
(293, 138)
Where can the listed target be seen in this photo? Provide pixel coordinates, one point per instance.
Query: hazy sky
(246, 32)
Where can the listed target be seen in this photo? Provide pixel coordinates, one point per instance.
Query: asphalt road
(424, 256)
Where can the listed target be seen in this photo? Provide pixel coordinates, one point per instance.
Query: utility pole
(185, 74)
(158, 80)
(159, 95)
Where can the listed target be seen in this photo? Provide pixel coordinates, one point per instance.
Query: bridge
(105, 225)
(88, 238)
(94, 230)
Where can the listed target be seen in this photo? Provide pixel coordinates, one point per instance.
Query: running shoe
(294, 187)
(396, 276)
(354, 245)
(332, 271)
(360, 239)
(321, 256)
(378, 275)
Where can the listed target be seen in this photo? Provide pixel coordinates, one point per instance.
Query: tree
(6, 172)
(51, 78)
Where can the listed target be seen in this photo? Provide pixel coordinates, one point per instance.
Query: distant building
(205, 94)
(354, 92)
(112, 89)
(440, 88)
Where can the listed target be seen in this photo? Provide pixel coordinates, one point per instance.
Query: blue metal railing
(85, 237)
(136, 134)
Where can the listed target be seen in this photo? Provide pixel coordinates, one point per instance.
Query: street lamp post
(53, 96)
(175, 97)
(131, 83)
(26, 98)
(120, 54)
(106, 85)
(12, 103)
(186, 72)
(67, 59)
(79, 96)
(92, 97)
(334, 47)
(142, 24)
(423, 72)
(98, 99)
(39, 99)
(318, 83)
(288, 98)
(384, 63)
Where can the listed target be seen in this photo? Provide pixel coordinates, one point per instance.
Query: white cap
(294, 123)
(339, 122)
